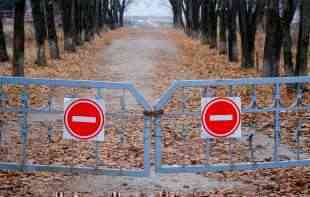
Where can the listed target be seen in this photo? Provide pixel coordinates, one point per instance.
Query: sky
(149, 8)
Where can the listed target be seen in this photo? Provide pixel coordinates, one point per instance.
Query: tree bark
(249, 12)
(223, 26)
(289, 8)
(68, 25)
(19, 38)
(212, 23)
(196, 16)
(3, 50)
(273, 42)
(176, 6)
(78, 23)
(232, 31)
(303, 40)
(204, 22)
(40, 30)
(52, 32)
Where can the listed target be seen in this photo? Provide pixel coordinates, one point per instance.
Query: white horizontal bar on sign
(84, 119)
(221, 118)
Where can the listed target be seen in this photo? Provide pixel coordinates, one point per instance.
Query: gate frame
(83, 84)
(252, 108)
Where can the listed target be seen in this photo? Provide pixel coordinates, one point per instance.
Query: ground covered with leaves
(166, 55)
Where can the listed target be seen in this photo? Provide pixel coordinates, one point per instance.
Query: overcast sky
(149, 8)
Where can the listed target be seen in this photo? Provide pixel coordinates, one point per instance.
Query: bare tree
(289, 9)
(212, 23)
(123, 5)
(19, 38)
(3, 50)
(249, 13)
(223, 7)
(232, 30)
(303, 40)
(176, 6)
(51, 27)
(40, 30)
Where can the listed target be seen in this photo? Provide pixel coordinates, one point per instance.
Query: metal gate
(275, 125)
(32, 123)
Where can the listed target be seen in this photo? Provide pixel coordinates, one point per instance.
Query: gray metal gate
(275, 124)
(32, 122)
(275, 128)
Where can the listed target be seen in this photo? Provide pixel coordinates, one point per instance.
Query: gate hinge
(153, 113)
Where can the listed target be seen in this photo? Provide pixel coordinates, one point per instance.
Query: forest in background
(79, 22)
(221, 24)
(218, 22)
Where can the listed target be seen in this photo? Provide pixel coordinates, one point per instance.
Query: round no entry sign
(221, 117)
(84, 119)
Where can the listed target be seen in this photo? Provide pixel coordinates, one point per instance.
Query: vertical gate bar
(50, 108)
(298, 143)
(97, 154)
(147, 144)
(157, 143)
(207, 151)
(277, 124)
(98, 160)
(299, 94)
(231, 91)
(121, 130)
(24, 125)
(253, 97)
(123, 101)
(251, 148)
(49, 133)
(297, 139)
(183, 100)
(231, 141)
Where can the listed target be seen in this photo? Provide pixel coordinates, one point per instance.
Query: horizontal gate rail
(25, 109)
(301, 84)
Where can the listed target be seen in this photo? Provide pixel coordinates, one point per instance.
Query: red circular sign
(84, 118)
(221, 117)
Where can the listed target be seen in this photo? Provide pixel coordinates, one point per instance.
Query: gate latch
(153, 113)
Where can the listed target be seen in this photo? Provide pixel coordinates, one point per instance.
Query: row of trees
(80, 21)
(6, 4)
(218, 21)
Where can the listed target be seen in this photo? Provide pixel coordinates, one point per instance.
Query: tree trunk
(212, 23)
(100, 15)
(303, 40)
(121, 16)
(195, 17)
(68, 23)
(78, 23)
(3, 50)
(19, 38)
(289, 8)
(223, 26)
(52, 32)
(249, 12)
(40, 30)
(106, 13)
(232, 31)
(273, 42)
(204, 22)
(176, 6)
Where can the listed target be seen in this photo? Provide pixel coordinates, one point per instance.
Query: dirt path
(140, 57)
(137, 57)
